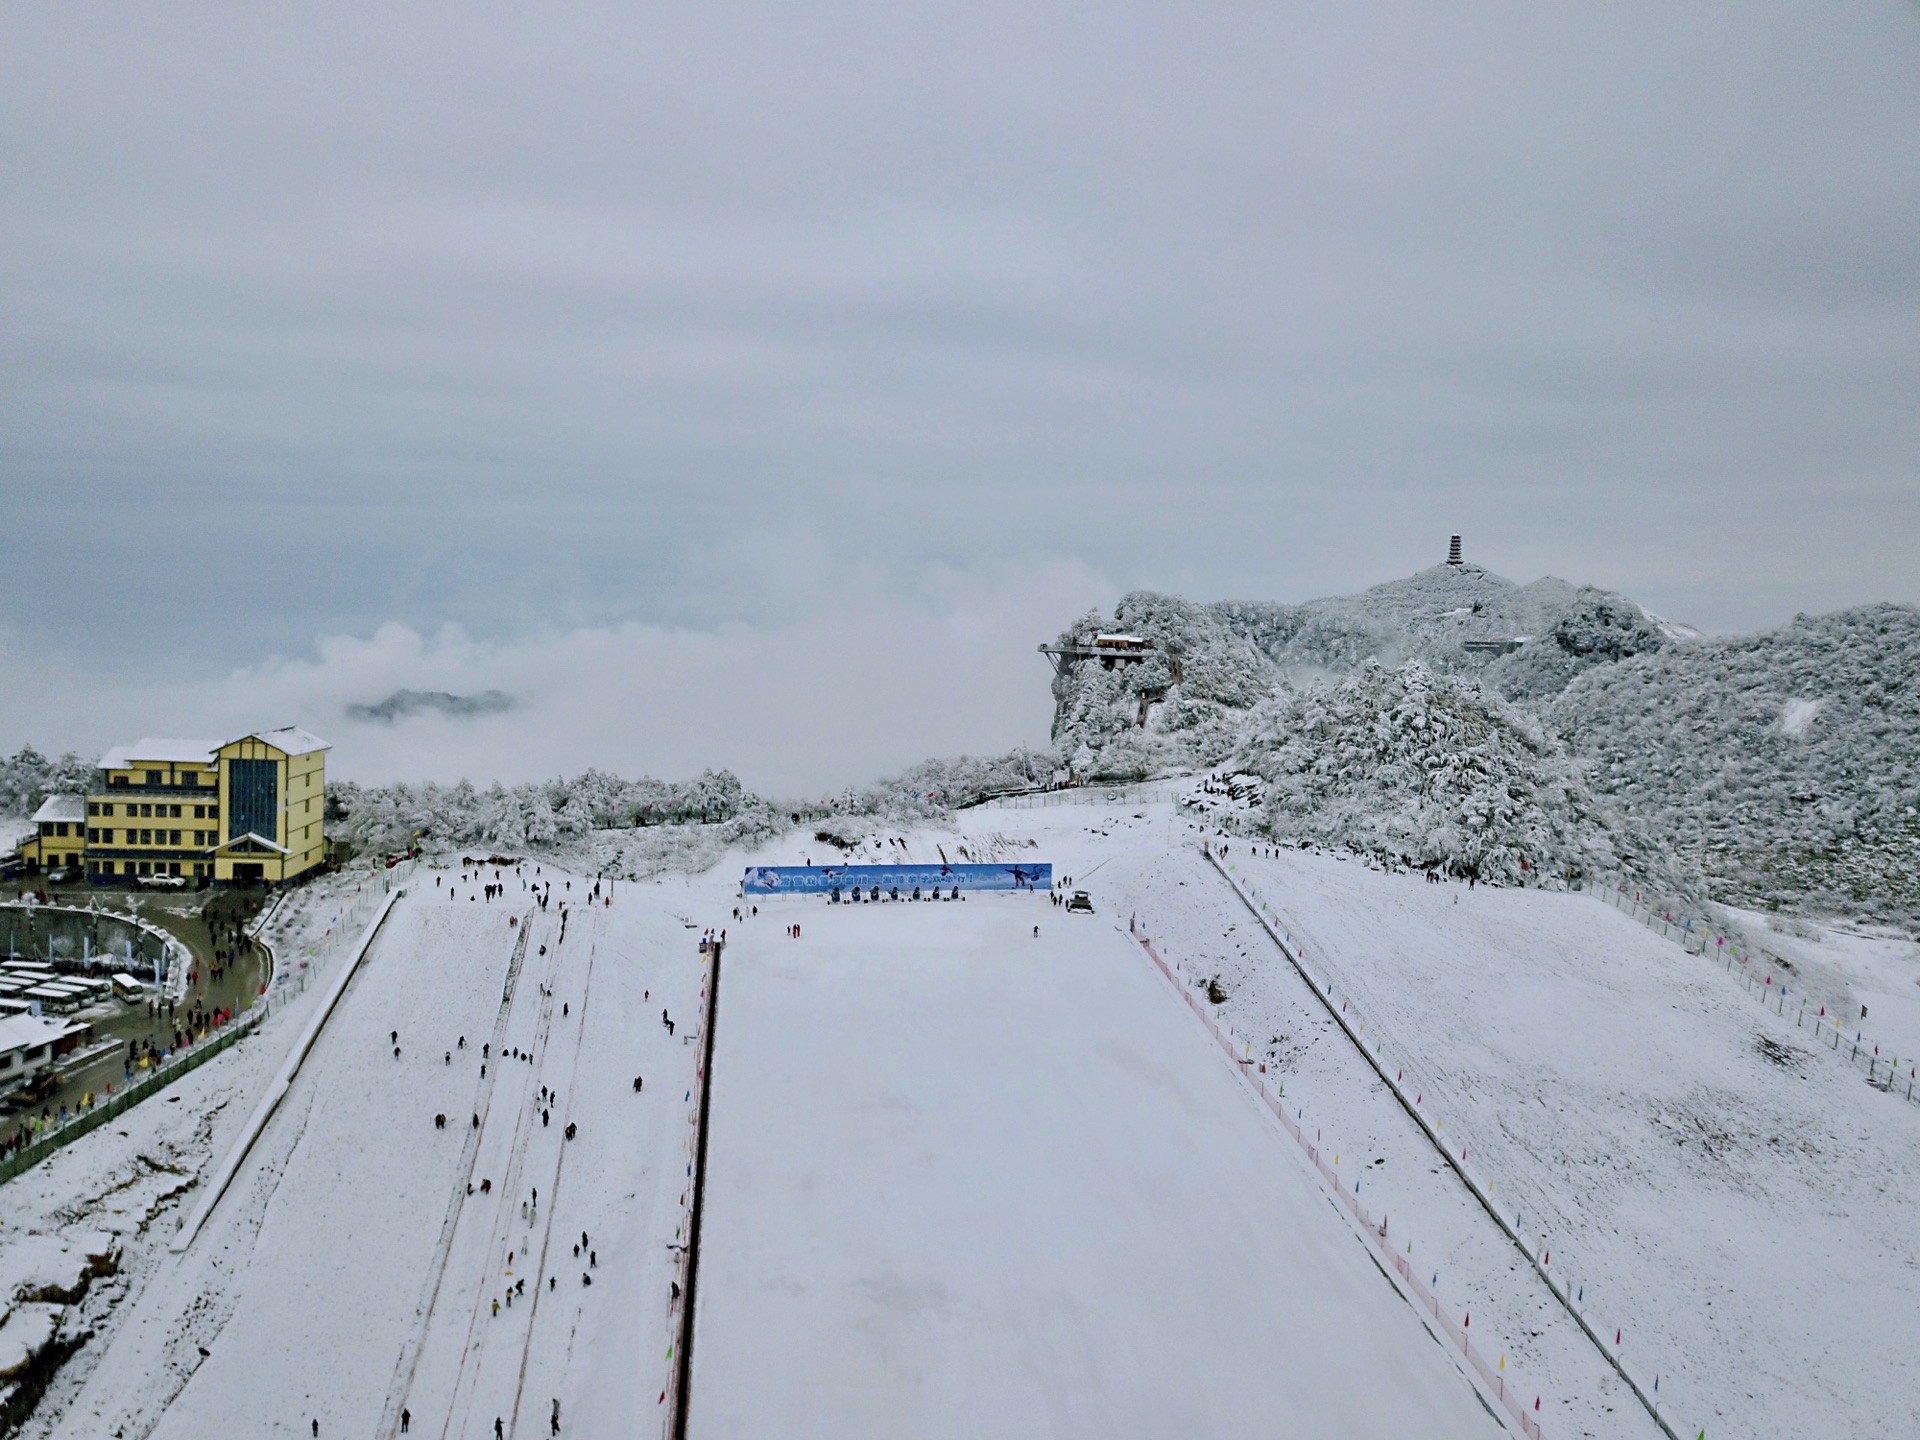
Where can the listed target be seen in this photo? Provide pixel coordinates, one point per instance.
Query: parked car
(161, 882)
(65, 875)
(1081, 903)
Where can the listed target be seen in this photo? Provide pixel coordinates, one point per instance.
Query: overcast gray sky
(821, 359)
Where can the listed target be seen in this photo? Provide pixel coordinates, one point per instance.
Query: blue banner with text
(892, 881)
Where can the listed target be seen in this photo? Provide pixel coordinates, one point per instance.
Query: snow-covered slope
(350, 1271)
(1725, 1193)
(1786, 763)
(943, 1203)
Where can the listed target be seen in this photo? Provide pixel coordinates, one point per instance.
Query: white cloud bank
(864, 682)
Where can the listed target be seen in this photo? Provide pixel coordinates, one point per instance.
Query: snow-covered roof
(24, 1032)
(173, 752)
(253, 835)
(290, 738)
(61, 807)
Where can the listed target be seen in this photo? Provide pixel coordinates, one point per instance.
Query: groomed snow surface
(1729, 1198)
(966, 1180)
(348, 1273)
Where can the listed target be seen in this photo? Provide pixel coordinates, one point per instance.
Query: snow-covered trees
(389, 817)
(1211, 664)
(29, 777)
(1405, 764)
(1788, 763)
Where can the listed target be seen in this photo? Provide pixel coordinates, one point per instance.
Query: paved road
(192, 919)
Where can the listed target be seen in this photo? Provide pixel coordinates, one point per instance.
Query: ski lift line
(560, 1166)
(467, 1376)
(1431, 1131)
(1401, 1274)
(409, 1359)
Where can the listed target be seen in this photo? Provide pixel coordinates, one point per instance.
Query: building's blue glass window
(253, 801)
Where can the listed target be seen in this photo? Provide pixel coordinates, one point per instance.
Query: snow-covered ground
(971, 1181)
(347, 1264)
(1736, 1200)
(1845, 968)
(1736, 1203)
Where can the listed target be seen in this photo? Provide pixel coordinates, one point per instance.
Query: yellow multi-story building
(247, 811)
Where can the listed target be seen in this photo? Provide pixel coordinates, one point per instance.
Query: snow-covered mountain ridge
(1457, 719)
(1787, 762)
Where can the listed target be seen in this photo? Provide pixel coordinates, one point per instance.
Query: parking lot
(120, 1028)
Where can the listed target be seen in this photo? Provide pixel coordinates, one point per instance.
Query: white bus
(26, 968)
(55, 1001)
(128, 988)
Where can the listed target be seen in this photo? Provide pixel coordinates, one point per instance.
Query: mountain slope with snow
(1786, 763)
(1773, 770)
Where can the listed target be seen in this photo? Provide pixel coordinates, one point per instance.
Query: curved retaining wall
(31, 931)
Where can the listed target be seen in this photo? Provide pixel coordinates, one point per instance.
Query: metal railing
(1695, 933)
(79, 1122)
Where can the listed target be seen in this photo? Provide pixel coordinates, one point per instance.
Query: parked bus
(55, 1001)
(28, 969)
(128, 988)
(95, 987)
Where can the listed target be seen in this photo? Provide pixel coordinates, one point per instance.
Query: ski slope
(968, 1181)
(348, 1273)
(1726, 1197)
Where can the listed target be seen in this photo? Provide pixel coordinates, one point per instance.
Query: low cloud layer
(402, 703)
(860, 683)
